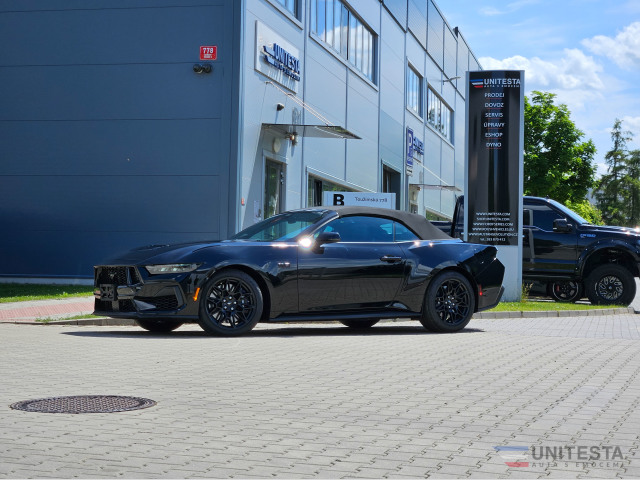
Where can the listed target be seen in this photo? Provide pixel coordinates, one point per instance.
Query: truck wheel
(565, 291)
(610, 284)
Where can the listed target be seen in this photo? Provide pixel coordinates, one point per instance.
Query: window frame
(419, 82)
(356, 38)
(438, 121)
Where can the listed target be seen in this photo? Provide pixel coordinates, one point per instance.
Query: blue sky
(585, 51)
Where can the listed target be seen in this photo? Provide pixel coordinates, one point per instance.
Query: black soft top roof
(420, 225)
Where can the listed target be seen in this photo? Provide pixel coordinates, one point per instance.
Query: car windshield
(282, 227)
(569, 213)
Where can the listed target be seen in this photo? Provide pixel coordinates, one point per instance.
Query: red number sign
(209, 52)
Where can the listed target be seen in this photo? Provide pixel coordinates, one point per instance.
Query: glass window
(317, 186)
(336, 25)
(291, 5)
(285, 226)
(439, 115)
(403, 234)
(414, 91)
(329, 20)
(542, 217)
(361, 229)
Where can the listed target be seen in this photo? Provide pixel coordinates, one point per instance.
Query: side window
(361, 229)
(403, 234)
(542, 216)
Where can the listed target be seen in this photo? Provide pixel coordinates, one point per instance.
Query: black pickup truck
(570, 256)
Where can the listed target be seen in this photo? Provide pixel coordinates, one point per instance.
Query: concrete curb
(558, 313)
(123, 322)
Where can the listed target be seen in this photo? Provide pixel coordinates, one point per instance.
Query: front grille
(166, 302)
(117, 275)
(125, 306)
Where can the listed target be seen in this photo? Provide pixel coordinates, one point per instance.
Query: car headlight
(171, 268)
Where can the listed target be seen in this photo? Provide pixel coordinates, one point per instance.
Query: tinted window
(542, 217)
(361, 229)
(403, 234)
(285, 226)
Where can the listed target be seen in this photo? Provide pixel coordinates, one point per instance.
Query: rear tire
(158, 326)
(359, 324)
(565, 291)
(610, 284)
(231, 304)
(449, 303)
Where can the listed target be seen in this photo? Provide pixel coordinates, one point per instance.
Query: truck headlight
(171, 268)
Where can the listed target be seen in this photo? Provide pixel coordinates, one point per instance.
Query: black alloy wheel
(610, 284)
(359, 324)
(565, 291)
(232, 304)
(159, 325)
(449, 303)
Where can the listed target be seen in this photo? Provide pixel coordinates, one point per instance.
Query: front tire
(610, 284)
(158, 326)
(359, 324)
(449, 303)
(231, 305)
(565, 291)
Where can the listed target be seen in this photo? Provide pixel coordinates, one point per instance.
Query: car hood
(609, 230)
(162, 253)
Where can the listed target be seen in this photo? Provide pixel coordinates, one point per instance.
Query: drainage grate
(84, 404)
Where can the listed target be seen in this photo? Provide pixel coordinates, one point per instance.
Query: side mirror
(327, 237)
(560, 225)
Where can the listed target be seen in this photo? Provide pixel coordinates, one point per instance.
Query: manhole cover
(84, 404)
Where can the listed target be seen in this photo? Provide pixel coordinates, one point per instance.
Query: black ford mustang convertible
(356, 265)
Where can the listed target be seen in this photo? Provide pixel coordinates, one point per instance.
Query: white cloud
(510, 8)
(573, 71)
(623, 50)
(632, 124)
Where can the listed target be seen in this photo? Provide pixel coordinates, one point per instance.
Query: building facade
(137, 122)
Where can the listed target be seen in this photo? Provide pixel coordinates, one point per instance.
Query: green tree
(557, 163)
(587, 211)
(614, 190)
(632, 179)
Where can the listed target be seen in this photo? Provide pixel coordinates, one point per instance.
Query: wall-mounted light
(293, 138)
(202, 68)
(280, 106)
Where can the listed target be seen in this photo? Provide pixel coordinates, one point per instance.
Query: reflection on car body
(356, 265)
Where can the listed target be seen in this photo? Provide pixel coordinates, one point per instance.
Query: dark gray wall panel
(97, 92)
(148, 203)
(110, 35)
(111, 147)
(109, 140)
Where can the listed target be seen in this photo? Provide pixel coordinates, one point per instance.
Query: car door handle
(391, 259)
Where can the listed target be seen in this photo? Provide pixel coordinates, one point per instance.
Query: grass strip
(21, 292)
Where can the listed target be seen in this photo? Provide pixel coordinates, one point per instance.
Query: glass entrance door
(273, 188)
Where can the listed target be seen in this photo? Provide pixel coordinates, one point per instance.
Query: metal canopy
(451, 188)
(320, 131)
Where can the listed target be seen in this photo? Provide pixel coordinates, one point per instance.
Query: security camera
(202, 68)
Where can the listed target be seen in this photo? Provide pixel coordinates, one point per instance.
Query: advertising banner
(495, 112)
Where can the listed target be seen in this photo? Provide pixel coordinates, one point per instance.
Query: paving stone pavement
(322, 401)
